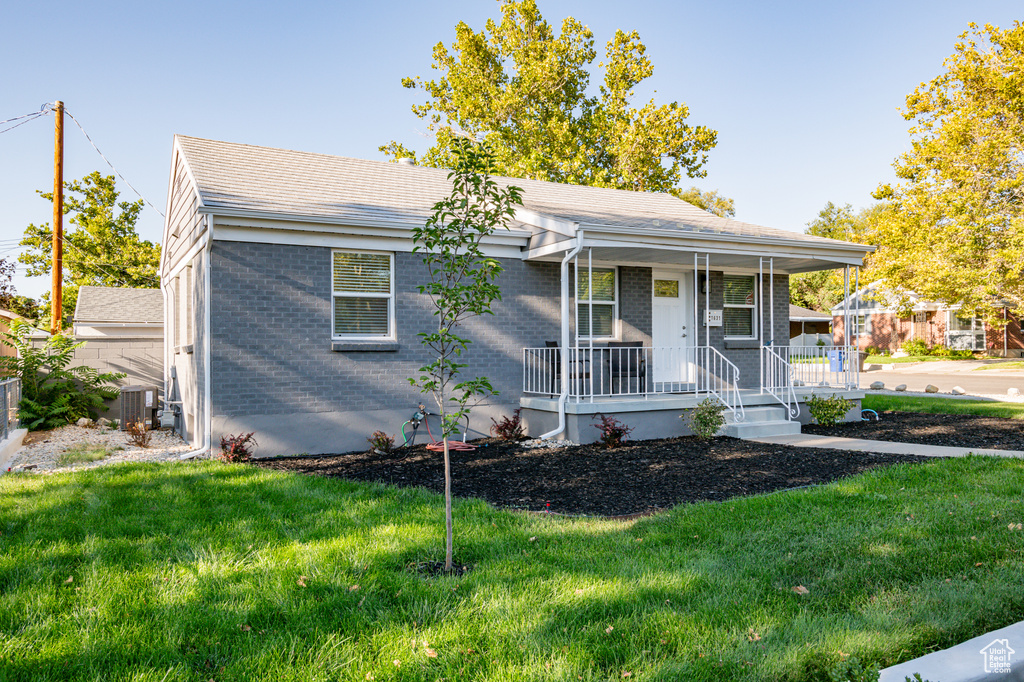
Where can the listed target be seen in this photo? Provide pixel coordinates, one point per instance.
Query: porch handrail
(715, 367)
(777, 380)
(10, 396)
(630, 370)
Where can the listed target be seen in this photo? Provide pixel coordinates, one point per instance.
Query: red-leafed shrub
(613, 432)
(237, 448)
(509, 428)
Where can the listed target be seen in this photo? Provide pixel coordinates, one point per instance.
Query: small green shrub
(821, 343)
(707, 418)
(872, 350)
(509, 428)
(52, 393)
(613, 432)
(381, 442)
(828, 411)
(237, 448)
(914, 347)
(851, 670)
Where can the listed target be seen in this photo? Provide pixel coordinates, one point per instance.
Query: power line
(28, 117)
(71, 116)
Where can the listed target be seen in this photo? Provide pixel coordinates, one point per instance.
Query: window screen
(602, 300)
(738, 311)
(362, 294)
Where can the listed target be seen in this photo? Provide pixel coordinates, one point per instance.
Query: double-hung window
(738, 311)
(363, 295)
(596, 302)
(860, 325)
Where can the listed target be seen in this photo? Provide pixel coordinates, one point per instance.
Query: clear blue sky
(804, 94)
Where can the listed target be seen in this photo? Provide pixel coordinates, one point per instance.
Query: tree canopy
(523, 88)
(711, 201)
(956, 233)
(823, 289)
(101, 246)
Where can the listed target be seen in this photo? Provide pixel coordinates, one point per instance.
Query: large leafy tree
(824, 289)
(101, 246)
(956, 233)
(523, 87)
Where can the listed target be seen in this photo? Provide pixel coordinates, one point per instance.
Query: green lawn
(985, 408)
(1011, 364)
(889, 360)
(206, 571)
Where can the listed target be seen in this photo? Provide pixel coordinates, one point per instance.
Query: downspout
(207, 392)
(563, 395)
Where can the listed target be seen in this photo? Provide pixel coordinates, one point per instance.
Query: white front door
(672, 333)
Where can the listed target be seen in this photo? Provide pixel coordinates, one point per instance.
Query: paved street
(946, 375)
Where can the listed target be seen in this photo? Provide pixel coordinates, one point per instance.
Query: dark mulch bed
(958, 430)
(641, 476)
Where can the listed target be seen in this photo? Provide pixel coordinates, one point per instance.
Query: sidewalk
(806, 440)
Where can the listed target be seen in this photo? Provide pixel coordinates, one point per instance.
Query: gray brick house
(293, 310)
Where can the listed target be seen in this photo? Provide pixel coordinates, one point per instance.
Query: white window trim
(752, 308)
(616, 328)
(859, 328)
(392, 324)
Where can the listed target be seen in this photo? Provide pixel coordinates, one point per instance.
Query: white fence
(811, 340)
(10, 396)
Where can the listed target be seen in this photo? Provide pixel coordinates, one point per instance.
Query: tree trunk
(447, 504)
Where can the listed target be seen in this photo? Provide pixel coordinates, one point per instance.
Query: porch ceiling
(783, 263)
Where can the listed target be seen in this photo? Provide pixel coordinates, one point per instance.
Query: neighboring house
(124, 332)
(807, 327)
(876, 324)
(293, 309)
(6, 317)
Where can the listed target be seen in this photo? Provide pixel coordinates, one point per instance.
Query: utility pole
(56, 293)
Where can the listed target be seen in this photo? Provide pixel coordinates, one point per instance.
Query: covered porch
(654, 324)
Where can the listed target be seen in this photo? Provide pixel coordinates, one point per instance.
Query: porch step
(761, 421)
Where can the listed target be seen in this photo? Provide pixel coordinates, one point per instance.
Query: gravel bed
(42, 449)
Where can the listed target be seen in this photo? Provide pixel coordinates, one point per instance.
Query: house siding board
(184, 222)
(271, 342)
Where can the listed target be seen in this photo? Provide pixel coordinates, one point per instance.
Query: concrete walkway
(807, 440)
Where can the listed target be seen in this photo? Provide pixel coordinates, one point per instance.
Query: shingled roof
(114, 304)
(239, 178)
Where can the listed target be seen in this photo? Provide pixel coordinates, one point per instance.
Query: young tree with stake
(461, 284)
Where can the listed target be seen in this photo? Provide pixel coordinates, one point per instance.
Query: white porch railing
(822, 366)
(639, 371)
(777, 380)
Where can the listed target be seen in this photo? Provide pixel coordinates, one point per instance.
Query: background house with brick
(293, 308)
(875, 323)
(123, 331)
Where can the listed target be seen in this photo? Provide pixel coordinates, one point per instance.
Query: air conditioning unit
(139, 404)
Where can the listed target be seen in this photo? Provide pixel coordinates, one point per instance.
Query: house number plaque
(712, 318)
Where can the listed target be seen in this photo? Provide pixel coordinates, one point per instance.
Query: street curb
(9, 446)
(965, 662)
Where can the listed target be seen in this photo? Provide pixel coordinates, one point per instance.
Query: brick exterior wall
(271, 345)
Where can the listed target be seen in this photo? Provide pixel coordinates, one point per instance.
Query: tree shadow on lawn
(209, 566)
